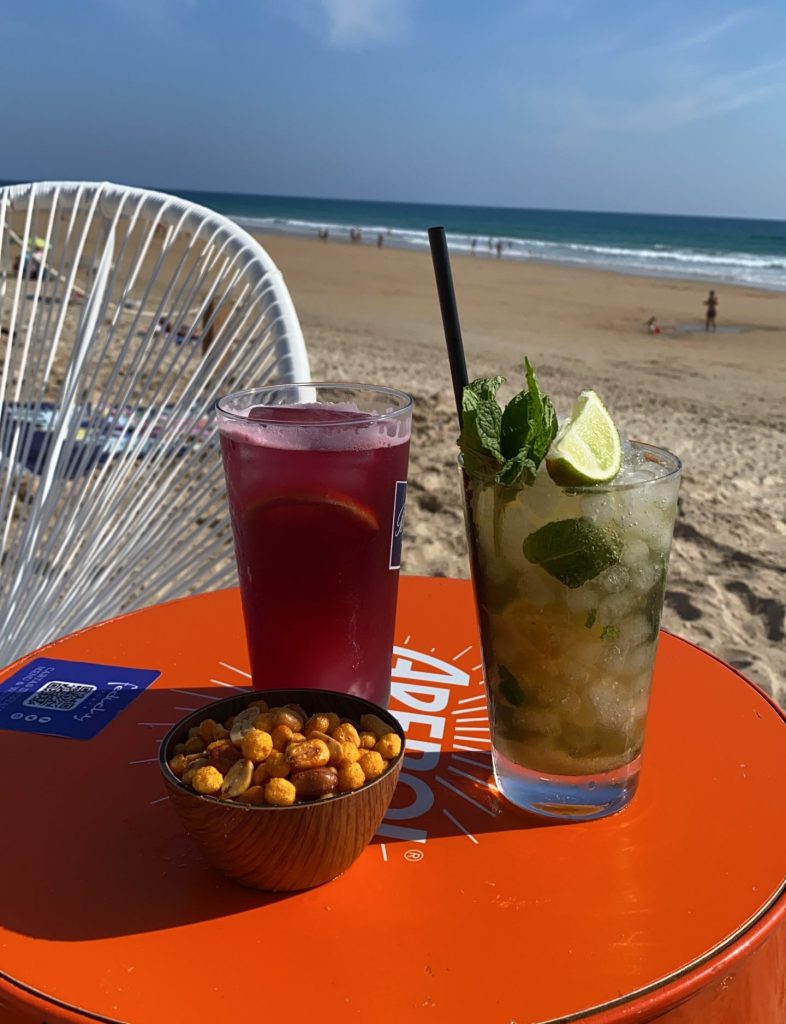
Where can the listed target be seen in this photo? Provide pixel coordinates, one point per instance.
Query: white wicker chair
(124, 315)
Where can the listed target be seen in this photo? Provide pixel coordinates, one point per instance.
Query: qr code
(59, 696)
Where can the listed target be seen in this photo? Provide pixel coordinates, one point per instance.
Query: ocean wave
(763, 271)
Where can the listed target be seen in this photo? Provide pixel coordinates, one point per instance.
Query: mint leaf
(481, 426)
(573, 551)
(519, 467)
(529, 425)
(515, 425)
(590, 620)
(610, 633)
(509, 687)
(510, 444)
(542, 418)
(484, 389)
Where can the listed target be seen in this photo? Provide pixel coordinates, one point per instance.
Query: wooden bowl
(282, 849)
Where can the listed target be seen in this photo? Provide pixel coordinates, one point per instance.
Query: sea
(729, 250)
(710, 249)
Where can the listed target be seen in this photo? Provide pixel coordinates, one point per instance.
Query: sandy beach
(716, 400)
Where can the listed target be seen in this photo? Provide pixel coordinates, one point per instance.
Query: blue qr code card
(75, 699)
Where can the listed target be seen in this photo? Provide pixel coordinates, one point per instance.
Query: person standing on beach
(711, 302)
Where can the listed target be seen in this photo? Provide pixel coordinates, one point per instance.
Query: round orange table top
(461, 908)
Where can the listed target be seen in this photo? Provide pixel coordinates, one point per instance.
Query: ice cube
(633, 631)
(583, 599)
(634, 553)
(644, 577)
(651, 526)
(610, 702)
(615, 607)
(613, 579)
(601, 509)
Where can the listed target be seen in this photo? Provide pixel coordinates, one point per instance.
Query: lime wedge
(587, 447)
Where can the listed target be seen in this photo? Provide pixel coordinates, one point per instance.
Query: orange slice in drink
(336, 503)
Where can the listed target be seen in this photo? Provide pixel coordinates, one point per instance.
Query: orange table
(461, 909)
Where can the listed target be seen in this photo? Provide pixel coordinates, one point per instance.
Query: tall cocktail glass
(570, 584)
(316, 480)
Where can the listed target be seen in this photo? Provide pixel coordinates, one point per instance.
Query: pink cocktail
(316, 477)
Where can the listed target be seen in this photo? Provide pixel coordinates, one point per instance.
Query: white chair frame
(124, 314)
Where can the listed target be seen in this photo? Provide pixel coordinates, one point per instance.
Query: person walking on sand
(711, 302)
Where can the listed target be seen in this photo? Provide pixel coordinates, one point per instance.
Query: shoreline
(260, 230)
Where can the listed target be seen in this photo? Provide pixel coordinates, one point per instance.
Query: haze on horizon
(557, 104)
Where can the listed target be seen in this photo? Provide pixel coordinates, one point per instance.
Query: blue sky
(655, 105)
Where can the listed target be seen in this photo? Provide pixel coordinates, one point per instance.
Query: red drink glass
(316, 478)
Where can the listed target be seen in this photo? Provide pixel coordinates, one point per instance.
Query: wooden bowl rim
(231, 805)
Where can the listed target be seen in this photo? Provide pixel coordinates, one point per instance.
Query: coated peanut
(372, 764)
(275, 766)
(256, 745)
(350, 776)
(207, 780)
(280, 792)
(389, 746)
(193, 768)
(281, 735)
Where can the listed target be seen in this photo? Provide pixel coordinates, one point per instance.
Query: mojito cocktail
(569, 579)
(316, 479)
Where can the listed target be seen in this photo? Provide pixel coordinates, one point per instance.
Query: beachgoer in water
(499, 248)
(652, 326)
(323, 234)
(474, 243)
(380, 240)
(711, 302)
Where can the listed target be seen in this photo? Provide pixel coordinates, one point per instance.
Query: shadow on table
(96, 850)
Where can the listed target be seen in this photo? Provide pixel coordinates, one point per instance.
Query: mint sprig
(507, 444)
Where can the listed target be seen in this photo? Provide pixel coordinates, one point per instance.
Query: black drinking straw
(450, 319)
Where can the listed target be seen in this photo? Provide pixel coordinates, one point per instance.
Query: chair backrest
(124, 314)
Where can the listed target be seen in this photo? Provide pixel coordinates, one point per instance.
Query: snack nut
(314, 783)
(308, 754)
(275, 757)
(280, 793)
(207, 780)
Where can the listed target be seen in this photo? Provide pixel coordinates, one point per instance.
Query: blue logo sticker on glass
(397, 534)
(68, 698)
